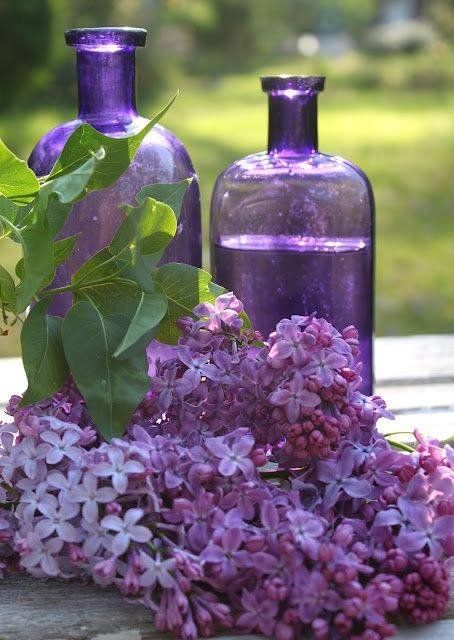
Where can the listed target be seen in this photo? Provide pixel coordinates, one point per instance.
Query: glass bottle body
(106, 63)
(292, 233)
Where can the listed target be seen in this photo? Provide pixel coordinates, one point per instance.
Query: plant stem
(80, 286)
(56, 291)
(400, 445)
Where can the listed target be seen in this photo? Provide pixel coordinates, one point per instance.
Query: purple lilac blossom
(177, 515)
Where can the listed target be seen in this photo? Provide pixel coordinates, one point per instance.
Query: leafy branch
(122, 298)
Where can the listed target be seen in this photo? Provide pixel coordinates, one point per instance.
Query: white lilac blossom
(177, 514)
(117, 468)
(126, 530)
(90, 495)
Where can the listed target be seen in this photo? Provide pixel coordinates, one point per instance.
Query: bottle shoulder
(159, 141)
(264, 166)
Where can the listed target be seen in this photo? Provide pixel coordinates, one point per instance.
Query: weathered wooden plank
(411, 397)
(54, 610)
(437, 424)
(412, 359)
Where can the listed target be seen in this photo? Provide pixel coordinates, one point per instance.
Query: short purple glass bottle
(106, 83)
(292, 229)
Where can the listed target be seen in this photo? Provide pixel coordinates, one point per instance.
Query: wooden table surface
(414, 374)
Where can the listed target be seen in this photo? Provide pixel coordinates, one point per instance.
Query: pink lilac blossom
(177, 514)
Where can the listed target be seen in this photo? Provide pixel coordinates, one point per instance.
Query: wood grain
(55, 610)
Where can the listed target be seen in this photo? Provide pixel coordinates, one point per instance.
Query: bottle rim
(105, 37)
(301, 84)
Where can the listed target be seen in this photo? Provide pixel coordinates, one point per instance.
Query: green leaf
(11, 215)
(62, 250)
(171, 194)
(185, 286)
(141, 271)
(7, 289)
(112, 388)
(119, 153)
(118, 296)
(42, 354)
(37, 247)
(104, 265)
(70, 186)
(17, 180)
(56, 213)
(55, 198)
(147, 228)
(151, 310)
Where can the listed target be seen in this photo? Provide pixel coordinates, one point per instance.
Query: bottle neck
(106, 83)
(292, 124)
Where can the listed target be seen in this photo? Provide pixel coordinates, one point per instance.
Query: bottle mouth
(106, 38)
(292, 84)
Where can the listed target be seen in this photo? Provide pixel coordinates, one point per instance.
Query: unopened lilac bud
(320, 629)
(131, 582)
(204, 472)
(76, 554)
(343, 535)
(254, 543)
(189, 630)
(181, 600)
(258, 456)
(113, 508)
(106, 568)
(284, 631)
(202, 616)
(428, 463)
(406, 473)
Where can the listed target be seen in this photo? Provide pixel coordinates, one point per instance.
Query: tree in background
(25, 43)
(227, 34)
(441, 13)
(202, 37)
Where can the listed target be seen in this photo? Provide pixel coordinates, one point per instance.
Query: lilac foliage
(177, 514)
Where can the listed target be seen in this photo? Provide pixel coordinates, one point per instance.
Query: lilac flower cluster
(298, 395)
(177, 514)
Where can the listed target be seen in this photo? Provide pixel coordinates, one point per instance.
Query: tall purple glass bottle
(292, 229)
(106, 82)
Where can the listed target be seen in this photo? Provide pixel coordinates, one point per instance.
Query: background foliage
(389, 110)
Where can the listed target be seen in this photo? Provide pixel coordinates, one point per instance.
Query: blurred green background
(388, 106)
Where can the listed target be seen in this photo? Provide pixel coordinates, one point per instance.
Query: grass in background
(404, 141)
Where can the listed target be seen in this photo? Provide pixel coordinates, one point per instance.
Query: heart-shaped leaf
(86, 140)
(185, 286)
(112, 387)
(17, 180)
(42, 354)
